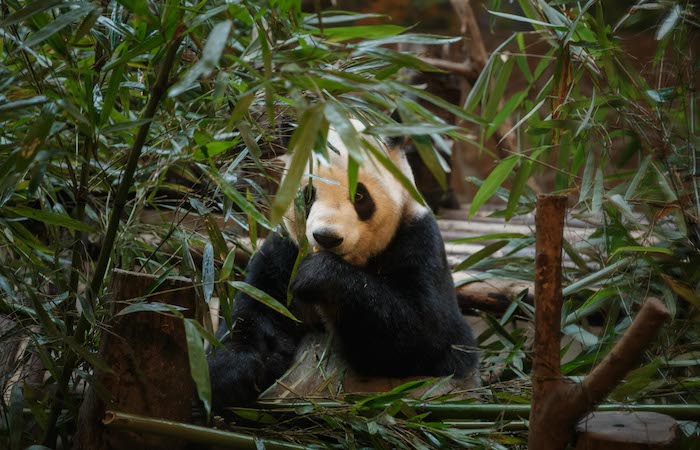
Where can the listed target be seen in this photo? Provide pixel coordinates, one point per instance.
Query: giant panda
(377, 279)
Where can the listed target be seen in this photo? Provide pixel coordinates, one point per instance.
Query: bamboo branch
(472, 411)
(70, 357)
(191, 433)
(626, 354)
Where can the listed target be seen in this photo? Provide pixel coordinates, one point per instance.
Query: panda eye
(309, 194)
(364, 205)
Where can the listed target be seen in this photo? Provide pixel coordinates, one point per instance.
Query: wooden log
(557, 403)
(493, 295)
(622, 430)
(149, 367)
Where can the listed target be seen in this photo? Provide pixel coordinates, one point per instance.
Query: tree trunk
(149, 374)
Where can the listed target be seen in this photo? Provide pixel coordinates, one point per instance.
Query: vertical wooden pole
(558, 403)
(146, 353)
(549, 229)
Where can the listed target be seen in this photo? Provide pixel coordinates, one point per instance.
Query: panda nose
(327, 239)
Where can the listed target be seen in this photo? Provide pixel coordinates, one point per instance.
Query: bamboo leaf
(669, 22)
(641, 249)
(431, 158)
(208, 272)
(480, 255)
(155, 307)
(28, 11)
(199, 368)
(526, 20)
(61, 22)
(49, 218)
(497, 176)
(227, 267)
(488, 237)
(389, 165)
(302, 143)
(409, 129)
(263, 298)
(213, 49)
(339, 120)
(237, 197)
(597, 200)
(683, 290)
(24, 103)
(340, 34)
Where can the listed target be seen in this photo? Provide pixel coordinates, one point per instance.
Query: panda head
(360, 229)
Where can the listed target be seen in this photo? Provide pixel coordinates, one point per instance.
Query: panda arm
(263, 342)
(405, 303)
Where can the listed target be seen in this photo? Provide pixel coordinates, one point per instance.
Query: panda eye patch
(309, 197)
(364, 205)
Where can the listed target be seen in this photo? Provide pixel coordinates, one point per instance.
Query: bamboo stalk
(71, 358)
(191, 433)
(454, 411)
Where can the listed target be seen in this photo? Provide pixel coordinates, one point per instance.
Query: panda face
(354, 230)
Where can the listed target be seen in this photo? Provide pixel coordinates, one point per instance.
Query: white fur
(333, 210)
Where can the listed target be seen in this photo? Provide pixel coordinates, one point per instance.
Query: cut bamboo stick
(190, 433)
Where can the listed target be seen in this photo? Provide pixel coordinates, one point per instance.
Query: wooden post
(146, 353)
(558, 404)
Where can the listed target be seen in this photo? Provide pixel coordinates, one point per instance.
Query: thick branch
(626, 354)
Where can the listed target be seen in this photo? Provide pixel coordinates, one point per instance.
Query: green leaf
(302, 143)
(488, 237)
(208, 272)
(641, 249)
(155, 307)
(340, 34)
(669, 22)
(389, 165)
(597, 200)
(24, 103)
(28, 11)
(592, 279)
(682, 289)
(61, 22)
(199, 368)
(214, 48)
(138, 7)
(263, 298)
(526, 20)
(481, 254)
(518, 187)
(49, 218)
(497, 176)
(227, 268)
(231, 192)
(432, 159)
(409, 129)
(339, 120)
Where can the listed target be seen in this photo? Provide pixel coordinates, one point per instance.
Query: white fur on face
(333, 212)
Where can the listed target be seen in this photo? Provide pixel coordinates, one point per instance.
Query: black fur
(364, 204)
(396, 317)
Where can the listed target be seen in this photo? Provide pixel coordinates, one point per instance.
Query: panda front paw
(315, 280)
